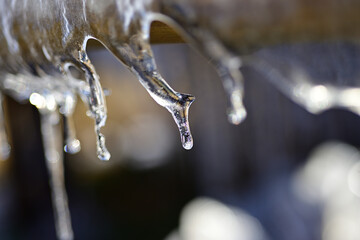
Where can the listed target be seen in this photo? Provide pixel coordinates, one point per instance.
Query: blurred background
(282, 174)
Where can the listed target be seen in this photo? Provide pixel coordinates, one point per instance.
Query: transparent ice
(40, 40)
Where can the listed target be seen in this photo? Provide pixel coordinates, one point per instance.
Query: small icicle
(72, 144)
(97, 105)
(52, 141)
(232, 79)
(4, 145)
(228, 68)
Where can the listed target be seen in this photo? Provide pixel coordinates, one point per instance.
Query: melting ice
(41, 40)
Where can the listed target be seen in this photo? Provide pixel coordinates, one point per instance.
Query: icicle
(232, 79)
(4, 145)
(96, 102)
(177, 104)
(52, 141)
(228, 68)
(54, 159)
(138, 56)
(72, 144)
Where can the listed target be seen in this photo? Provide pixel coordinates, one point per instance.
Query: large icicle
(137, 55)
(52, 141)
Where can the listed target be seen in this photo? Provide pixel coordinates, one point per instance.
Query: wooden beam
(162, 33)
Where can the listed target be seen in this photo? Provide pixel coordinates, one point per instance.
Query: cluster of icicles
(41, 40)
(55, 95)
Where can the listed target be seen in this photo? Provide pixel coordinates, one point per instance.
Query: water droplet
(232, 79)
(102, 152)
(237, 115)
(180, 113)
(187, 141)
(72, 144)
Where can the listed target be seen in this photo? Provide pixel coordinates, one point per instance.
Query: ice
(125, 32)
(52, 140)
(228, 67)
(41, 39)
(35, 62)
(96, 101)
(72, 144)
